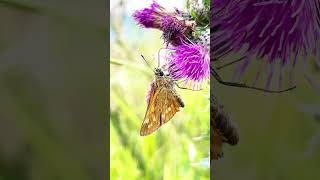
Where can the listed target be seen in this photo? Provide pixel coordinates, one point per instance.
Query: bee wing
(216, 139)
(163, 105)
(216, 144)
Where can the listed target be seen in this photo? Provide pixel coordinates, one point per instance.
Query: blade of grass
(131, 65)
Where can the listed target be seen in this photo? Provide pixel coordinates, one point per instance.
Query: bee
(222, 130)
(163, 104)
(222, 127)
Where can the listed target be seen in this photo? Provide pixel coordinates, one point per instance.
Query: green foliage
(206, 4)
(200, 13)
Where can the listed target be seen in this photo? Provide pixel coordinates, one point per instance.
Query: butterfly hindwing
(171, 106)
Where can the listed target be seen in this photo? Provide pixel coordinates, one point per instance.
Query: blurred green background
(53, 90)
(177, 149)
(279, 133)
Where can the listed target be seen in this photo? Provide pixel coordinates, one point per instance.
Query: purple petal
(272, 30)
(189, 62)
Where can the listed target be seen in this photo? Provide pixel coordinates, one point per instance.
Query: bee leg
(230, 63)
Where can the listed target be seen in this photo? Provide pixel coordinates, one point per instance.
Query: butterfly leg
(187, 88)
(234, 84)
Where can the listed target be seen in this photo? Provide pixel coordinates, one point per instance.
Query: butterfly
(163, 104)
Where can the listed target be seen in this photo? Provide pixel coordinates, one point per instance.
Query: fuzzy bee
(223, 130)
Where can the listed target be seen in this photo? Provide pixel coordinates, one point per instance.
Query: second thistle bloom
(149, 17)
(172, 23)
(173, 30)
(190, 63)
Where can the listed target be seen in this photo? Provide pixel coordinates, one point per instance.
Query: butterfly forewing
(163, 104)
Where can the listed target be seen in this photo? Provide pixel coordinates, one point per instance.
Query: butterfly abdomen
(180, 101)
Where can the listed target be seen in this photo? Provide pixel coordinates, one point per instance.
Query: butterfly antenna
(144, 59)
(159, 54)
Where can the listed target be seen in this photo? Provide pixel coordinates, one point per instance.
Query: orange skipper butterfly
(163, 104)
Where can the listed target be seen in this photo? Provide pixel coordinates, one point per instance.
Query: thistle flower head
(172, 22)
(271, 30)
(189, 62)
(173, 30)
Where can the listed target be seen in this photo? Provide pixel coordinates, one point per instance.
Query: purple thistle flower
(189, 62)
(173, 30)
(173, 25)
(274, 30)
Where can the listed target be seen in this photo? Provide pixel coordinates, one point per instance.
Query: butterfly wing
(150, 122)
(171, 105)
(163, 104)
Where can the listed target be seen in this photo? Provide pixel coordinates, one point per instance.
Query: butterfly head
(158, 72)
